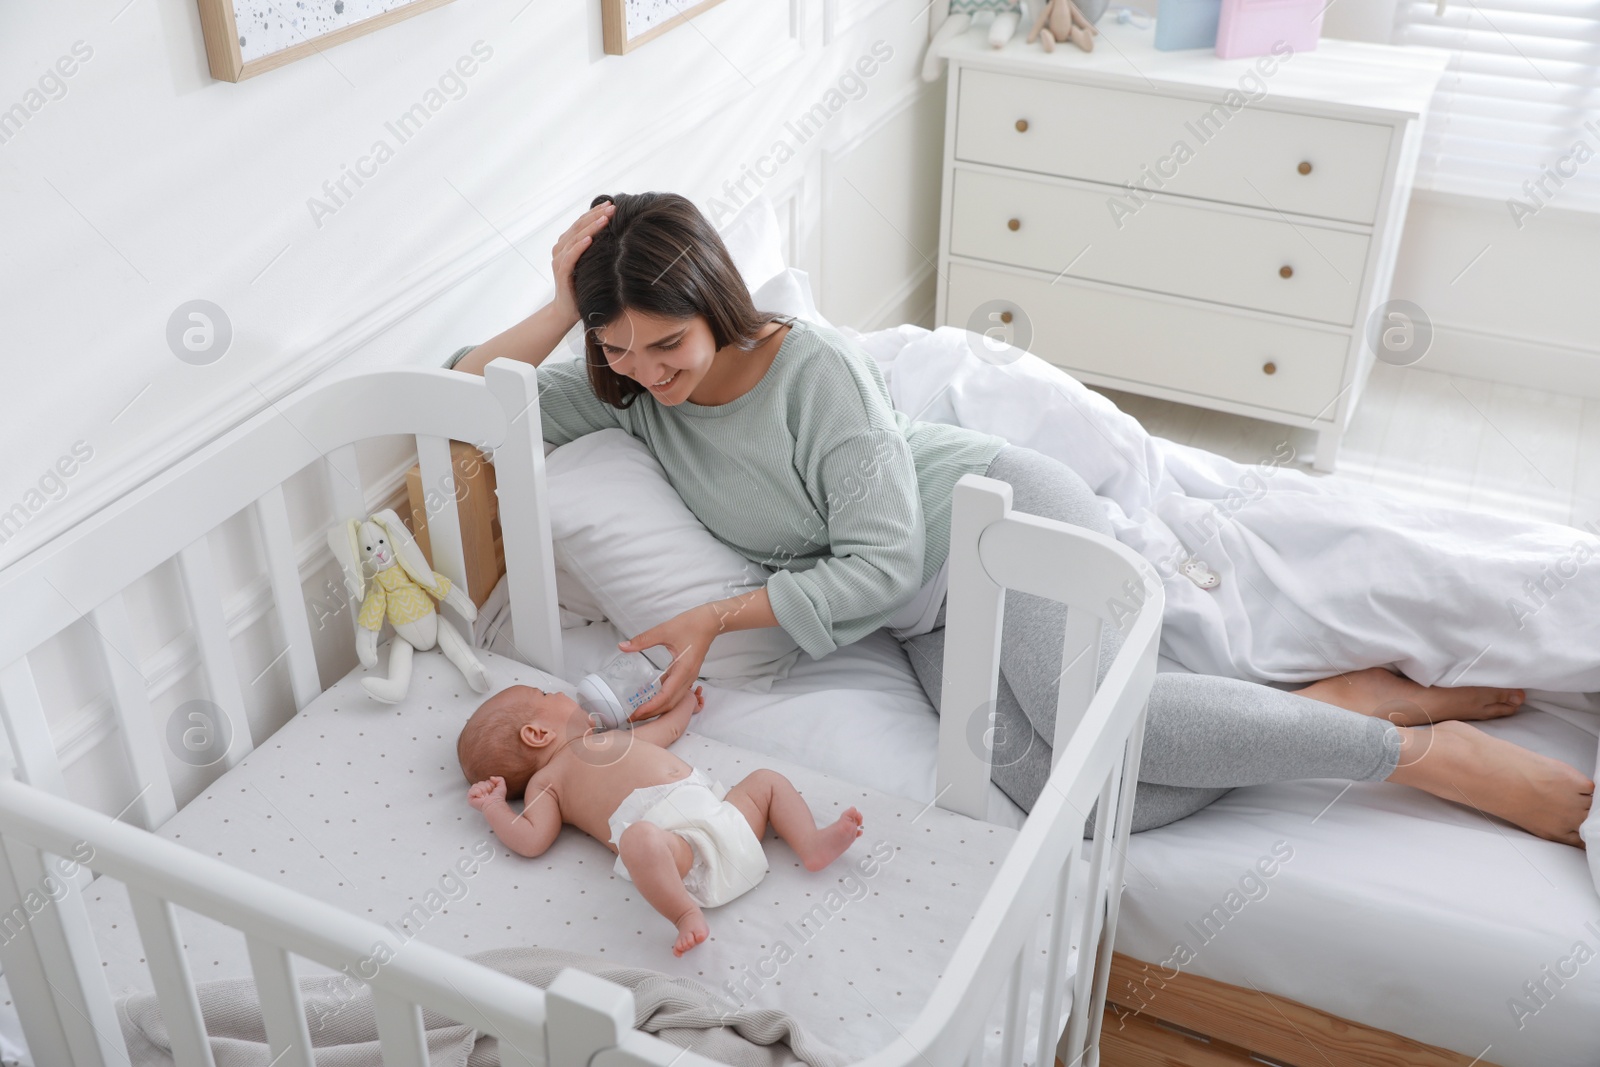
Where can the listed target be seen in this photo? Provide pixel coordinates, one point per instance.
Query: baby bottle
(622, 685)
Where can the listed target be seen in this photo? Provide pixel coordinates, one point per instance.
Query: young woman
(780, 436)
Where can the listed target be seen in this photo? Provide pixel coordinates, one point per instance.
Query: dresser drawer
(1138, 339)
(1247, 261)
(1251, 156)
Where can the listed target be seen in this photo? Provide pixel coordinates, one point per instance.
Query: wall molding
(1523, 361)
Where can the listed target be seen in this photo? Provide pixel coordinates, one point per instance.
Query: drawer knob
(1005, 316)
(1286, 271)
(1304, 167)
(1022, 125)
(1269, 368)
(1016, 224)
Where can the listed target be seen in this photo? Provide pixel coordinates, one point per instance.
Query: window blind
(1517, 114)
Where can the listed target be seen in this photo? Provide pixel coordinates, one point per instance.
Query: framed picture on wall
(249, 37)
(627, 24)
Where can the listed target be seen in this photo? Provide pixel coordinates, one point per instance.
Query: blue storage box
(1186, 24)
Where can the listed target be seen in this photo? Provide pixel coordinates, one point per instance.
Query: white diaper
(728, 859)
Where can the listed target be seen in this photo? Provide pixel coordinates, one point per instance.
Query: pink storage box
(1253, 27)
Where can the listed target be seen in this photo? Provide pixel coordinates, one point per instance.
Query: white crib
(50, 955)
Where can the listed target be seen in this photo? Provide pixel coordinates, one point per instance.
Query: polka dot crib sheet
(362, 805)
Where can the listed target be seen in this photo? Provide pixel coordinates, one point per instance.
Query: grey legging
(1203, 734)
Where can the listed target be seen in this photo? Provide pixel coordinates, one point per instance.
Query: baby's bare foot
(692, 930)
(1386, 695)
(831, 841)
(1458, 762)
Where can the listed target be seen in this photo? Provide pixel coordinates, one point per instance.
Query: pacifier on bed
(1195, 569)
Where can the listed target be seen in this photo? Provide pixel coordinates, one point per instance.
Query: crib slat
(344, 484)
(443, 520)
(216, 649)
(400, 1031)
(27, 731)
(1130, 781)
(1055, 963)
(75, 980)
(49, 1040)
(1093, 912)
(169, 970)
(975, 1057)
(1017, 1006)
(288, 596)
(130, 702)
(282, 1011)
(1081, 667)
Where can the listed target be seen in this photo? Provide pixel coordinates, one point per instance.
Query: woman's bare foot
(1462, 763)
(831, 841)
(1379, 692)
(692, 930)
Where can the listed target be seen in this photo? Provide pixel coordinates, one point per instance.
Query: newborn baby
(685, 840)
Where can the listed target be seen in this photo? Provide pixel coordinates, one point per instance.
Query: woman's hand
(564, 256)
(688, 637)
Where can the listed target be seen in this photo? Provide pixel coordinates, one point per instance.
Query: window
(1517, 114)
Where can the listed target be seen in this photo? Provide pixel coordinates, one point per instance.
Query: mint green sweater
(812, 473)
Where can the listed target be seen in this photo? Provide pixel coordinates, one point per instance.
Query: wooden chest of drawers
(1216, 232)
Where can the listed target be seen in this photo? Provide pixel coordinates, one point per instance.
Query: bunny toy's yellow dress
(394, 594)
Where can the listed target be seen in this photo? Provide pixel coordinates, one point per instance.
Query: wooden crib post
(525, 516)
(973, 620)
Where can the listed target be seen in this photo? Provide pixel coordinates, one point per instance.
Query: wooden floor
(1436, 437)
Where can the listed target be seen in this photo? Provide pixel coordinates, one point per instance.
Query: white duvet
(1318, 576)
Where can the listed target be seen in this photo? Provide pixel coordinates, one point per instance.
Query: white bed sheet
(362, 805)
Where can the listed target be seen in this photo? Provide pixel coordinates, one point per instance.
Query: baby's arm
(529, 833)
(667, 728)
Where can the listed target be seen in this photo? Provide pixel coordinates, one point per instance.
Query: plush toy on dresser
(1006, 16)
(1062, 20)
(380, 550)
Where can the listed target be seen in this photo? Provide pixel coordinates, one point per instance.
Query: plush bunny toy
(381, 549)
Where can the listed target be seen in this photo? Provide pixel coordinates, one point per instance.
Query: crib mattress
(362, 805)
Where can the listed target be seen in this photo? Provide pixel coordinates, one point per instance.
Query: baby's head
(514, 733)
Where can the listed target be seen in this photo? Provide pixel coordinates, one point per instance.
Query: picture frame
(249, 37)
(627, 24)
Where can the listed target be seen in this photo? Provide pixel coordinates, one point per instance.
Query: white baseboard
(1514, 360)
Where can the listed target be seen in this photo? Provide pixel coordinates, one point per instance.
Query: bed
(969, 941)
(1400, 929)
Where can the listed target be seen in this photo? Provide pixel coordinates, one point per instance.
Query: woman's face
(669, 357)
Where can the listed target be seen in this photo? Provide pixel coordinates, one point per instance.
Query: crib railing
(51, 961)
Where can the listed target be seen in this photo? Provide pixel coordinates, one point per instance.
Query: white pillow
(627, 537)
(754, 240)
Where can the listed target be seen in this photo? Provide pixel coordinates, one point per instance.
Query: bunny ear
(344, 543)
(405, 549)
(358, 566)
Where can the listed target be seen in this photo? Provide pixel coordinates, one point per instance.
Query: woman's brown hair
(661, 256)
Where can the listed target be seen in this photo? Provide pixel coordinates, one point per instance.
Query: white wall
(1508, 303)
(146, 184)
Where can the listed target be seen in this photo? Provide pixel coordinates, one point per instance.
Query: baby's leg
(657, 860)
(765, 795)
